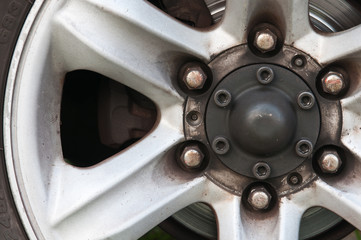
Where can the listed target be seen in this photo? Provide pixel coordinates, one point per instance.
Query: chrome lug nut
(192, 156)
(333, 83)
(265, 40)
(259, 198)
(330, 162)
(194, 77)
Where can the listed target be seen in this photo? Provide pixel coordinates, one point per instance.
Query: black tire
(12, 17)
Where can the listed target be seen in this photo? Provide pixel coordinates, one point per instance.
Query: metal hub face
(262, 122)
(243, 148)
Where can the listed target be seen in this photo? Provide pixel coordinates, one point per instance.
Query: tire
(12, 15)
(120, 189)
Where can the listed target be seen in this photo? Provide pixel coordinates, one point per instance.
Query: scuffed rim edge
(30, 227)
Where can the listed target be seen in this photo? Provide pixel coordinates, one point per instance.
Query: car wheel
(240, 123)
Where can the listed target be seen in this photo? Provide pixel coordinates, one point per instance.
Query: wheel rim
(62, 37)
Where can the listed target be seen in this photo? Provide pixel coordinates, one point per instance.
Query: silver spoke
(227, 208)
(342, 45)
(229, 218)
(126, 195)
(296, 20)
(129, 41)
(281, 225)
(328, 48)
(346, 193)
(343, 198)
(351, 122)
(236, 222)
(235, 20)
(293, 14)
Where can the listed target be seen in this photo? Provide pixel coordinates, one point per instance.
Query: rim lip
(26, 215)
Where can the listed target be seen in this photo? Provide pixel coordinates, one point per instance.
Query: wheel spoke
(235, 19)
(127, 194)
(236, 222)
(129, 41)
(227, 209)
(343, 198)
(281, 225)
(346, 194)
(328, 48)
(351, 123)
(296, 19)
(292, 14)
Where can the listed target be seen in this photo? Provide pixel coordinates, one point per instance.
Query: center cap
(263, 121)
(260, 120)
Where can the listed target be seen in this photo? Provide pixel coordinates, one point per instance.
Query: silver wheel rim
(120, 198)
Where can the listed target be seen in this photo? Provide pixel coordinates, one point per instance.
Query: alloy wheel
(184, 158)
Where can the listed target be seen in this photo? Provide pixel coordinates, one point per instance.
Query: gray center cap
(260, 114)
(264, 125)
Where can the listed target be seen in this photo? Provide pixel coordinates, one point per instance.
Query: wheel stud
(194, 77)
(333, 83)
(192, 156)
(330, 162)
(259, 198)
(265, 40)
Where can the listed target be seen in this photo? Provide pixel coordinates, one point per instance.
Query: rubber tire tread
(12, 16)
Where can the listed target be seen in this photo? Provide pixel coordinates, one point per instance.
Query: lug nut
(330, 162)
(265, 40)
(304, 148)
(333, 83)
(192, 156)
(259, 198)
(194, 77)
(261, 170)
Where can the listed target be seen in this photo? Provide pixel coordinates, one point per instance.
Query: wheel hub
(262, 111)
